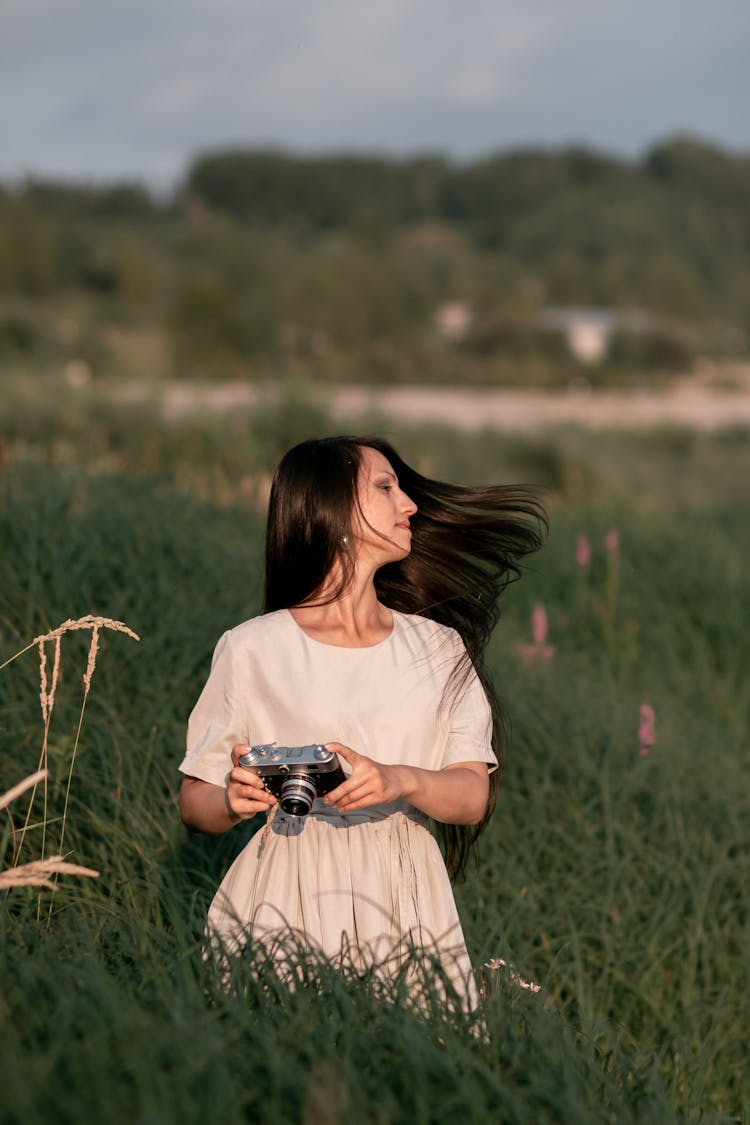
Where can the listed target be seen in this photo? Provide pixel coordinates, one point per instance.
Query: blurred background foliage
(262, 263)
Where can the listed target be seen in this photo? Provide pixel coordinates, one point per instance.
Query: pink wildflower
(500, 963)
(539, 625)
(612, 540)
(583, 552)
(646, 729)
(538, 650)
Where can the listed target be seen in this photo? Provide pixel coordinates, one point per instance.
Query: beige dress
(366, 887)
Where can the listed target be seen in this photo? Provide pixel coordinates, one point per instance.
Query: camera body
(296, 775)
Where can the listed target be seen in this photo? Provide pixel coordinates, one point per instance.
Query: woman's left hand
(369, 783)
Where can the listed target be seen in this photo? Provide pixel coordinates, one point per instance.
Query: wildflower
(500, 963)
(539, 625)
(583, 552)
(612, 540)
(646, 729)
(538, 650)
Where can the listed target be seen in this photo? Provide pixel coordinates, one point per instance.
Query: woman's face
(381, 527)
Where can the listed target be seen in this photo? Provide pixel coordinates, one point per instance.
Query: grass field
(616, 873)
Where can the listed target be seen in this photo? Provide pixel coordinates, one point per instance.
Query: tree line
(259, 259)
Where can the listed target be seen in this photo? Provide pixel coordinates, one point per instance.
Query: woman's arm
(457, 794)
(216, 808)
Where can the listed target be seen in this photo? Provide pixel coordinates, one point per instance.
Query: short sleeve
(217, 723)
(469, 723)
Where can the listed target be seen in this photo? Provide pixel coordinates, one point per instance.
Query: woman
(382, 590)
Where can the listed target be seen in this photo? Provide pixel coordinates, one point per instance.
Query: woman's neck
(355, 619)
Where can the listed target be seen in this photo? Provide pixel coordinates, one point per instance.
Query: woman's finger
(251, 793)
(246, 776)
(237, 752)
(352, 791)
(358, 801)
(351, 757)
(359, 776)
(246, 802)
(248, 785)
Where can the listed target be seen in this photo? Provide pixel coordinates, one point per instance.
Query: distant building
(588, 332)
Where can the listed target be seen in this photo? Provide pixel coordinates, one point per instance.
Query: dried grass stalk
(95, 624)
(89, 621)
(37, 873)
(17, 790)
(47, 697)
(48, 688)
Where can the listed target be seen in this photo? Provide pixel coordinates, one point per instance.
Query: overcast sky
(111, 88)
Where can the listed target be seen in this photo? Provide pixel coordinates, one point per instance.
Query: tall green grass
(620, 882)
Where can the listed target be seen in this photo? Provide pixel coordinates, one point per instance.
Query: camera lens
(297, 795)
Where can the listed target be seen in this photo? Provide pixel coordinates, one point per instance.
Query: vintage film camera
(295, 774)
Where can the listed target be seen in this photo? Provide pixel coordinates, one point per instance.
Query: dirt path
(695, 402)
(527, 410)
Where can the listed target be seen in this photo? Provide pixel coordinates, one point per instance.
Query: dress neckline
(345, 648)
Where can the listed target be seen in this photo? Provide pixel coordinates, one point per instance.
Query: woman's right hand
(246, 795)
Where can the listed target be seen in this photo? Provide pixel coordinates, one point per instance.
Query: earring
(344, 543)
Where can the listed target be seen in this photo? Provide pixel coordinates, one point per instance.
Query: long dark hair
(467, 543)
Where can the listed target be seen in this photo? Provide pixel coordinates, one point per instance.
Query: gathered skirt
(368, 891)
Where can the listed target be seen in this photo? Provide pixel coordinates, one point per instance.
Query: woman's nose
(408, 505)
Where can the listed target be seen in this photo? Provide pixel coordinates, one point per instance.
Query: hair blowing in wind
(467, 546)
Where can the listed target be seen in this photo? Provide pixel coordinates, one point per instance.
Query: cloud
(102, 89)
